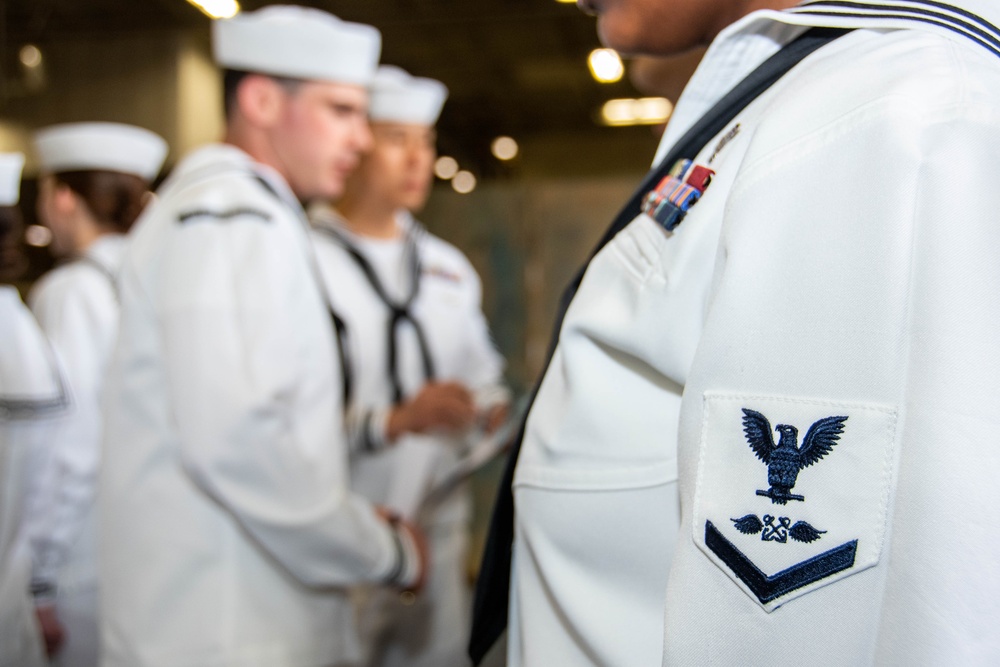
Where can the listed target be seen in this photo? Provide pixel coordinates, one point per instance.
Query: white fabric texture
(448, 308)
(229, 530)
(32, 397)
(856, 266)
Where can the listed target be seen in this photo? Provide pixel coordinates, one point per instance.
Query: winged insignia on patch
(786, 459)
(770, 531)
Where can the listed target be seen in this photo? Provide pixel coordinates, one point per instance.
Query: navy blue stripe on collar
(958, 20)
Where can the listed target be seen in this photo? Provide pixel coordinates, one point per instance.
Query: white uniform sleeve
(366, 428)
(484, 365)
(942, 585)
(241, 332)
(862, 267)
(78, 317)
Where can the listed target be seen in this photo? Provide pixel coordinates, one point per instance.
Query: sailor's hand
(52, 629)
(439, 406)
(494, 417)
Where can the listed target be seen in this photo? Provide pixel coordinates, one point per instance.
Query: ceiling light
(218, 9)
(37, 236)
(504, 148)
(445, 167)
(642, 111)
(463, 182)
(605, 65)
(30, 56)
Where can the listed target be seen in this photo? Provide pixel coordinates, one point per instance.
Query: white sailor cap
(297, 42)
(105, 146)
(10, 177)
(398, 97)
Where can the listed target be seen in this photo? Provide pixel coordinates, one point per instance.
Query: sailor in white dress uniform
(423, 366)
(230, 534)
(95, 180)
(33, 397)
(788, 399)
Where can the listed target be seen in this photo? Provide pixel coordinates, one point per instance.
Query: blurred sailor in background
(32, 395)
(95, 178)
(229, 528)
(424, 369)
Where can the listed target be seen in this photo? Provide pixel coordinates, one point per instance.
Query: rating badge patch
(792, 494)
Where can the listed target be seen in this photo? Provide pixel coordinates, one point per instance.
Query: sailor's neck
(373, 220)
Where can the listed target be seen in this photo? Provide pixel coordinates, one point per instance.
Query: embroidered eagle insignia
(786, 459)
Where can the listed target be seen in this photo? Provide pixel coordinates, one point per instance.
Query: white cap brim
(400, 98)
(100, 146)
(297, 42)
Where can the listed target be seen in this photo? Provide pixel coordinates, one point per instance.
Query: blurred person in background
(426, 375)
(230, 534)
(94, 182)
(33, 397)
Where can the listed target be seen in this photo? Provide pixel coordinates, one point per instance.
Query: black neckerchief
(399, 311)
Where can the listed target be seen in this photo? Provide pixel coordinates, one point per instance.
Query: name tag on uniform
(679, 190)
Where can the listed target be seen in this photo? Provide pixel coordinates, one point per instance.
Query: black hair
(115, 199)
(232, 78)
(12, 259)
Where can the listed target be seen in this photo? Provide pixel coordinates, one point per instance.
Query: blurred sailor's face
(400, 168)
(667, 27)
(320, 134)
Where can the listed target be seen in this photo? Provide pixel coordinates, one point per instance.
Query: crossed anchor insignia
(780, 532)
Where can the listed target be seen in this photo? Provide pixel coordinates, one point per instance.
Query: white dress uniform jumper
(835, 462)
(802, 352)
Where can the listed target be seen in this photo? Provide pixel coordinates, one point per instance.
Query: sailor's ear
(260, 100)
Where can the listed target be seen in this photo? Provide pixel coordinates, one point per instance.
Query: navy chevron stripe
(984, 29)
